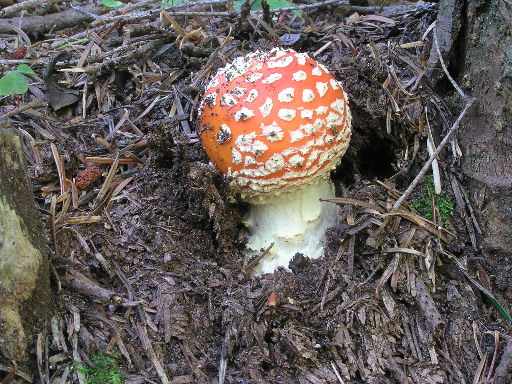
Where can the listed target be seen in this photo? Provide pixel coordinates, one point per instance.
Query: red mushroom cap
(274, 121)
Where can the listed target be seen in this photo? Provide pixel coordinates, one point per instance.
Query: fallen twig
(301, 7)
(427, 165)
(25, 5)
(496, 335)
(148, 347)
(257, 259)
(505, 364)
(90, 289)
(210, 61)
(23, 375)
(36, 103)
(107, 61)
(135, 16)
(65, 19)
(450, 78)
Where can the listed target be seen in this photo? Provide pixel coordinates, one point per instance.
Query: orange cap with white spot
(274, 121)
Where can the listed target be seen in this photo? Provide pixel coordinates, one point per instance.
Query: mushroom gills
(294, 222)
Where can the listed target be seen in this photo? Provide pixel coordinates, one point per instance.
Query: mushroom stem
(294, 222)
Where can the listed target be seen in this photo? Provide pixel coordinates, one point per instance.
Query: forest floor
(146, 241)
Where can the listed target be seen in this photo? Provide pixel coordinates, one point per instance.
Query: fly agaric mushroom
(277, 123)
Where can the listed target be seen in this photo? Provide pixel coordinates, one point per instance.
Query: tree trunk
(476, 37)
(476, 41)
(24, 278)
(486, 137)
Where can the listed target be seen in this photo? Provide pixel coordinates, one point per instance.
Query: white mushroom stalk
(292, 223)
(277, 123)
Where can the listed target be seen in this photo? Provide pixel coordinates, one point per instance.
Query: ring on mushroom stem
(277, 123)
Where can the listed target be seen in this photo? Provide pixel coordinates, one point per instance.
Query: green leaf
(13, 83)
(273, 4)
(25, 69)
(238, 4)
(503, 312)
(112, 3)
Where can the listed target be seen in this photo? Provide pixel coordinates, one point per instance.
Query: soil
(148, 265)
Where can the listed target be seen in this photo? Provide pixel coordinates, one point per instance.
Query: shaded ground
(147, 259)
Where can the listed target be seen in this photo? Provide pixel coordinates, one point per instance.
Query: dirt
(159, 280)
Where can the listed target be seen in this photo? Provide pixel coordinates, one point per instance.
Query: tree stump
(24, 278)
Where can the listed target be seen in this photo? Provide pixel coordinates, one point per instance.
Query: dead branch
(427, 165)
(147, 14)
(90, 289)
(65, 19)
(23, 375)
(309, 6)
(211, 60)
(450, 78)
(25, 5)
(22, 34)
(36, 103)
(392, 10)
(134, 53)
(433, 157)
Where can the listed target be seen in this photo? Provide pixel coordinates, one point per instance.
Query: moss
(104, 371)
(423, 204)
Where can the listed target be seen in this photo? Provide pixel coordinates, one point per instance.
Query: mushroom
(276, 123)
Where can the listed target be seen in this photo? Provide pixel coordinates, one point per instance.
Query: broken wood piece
(91, 289)
(148, 347)
(109, 160)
